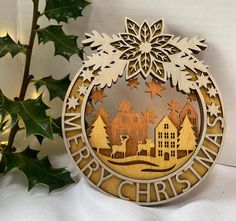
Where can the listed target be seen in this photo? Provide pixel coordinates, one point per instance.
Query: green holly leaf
(56, 128)
(37, 171)
(32, 112)
(62, 10)
(3, 121)
(65, 45)
(7, 45)
(56, 88)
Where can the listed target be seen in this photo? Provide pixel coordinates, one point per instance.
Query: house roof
(188, 106)
(164, 120)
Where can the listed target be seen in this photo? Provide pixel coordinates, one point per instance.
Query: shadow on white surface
(214, 199)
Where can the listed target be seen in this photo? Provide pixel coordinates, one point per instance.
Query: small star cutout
(202, 80)
(155, 88)
(98, 95)
(133, 83)
(87, 75)
(213, 109)
(72, 102)
(174, 106)
(192, 97)
(88, 110)
(212, 92)
(82, 90)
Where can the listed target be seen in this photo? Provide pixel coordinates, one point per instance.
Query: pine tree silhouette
(98, 136)
(187, 138)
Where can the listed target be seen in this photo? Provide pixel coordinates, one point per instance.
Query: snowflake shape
(145, 48)
(213, 109)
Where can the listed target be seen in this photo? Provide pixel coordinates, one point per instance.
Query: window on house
(160, 153)
(172, 144)
(159, 135)
(140, 134)
(135, 120)
(194, 120)
(123, 119)
(133, 133)
(172, 135)
(189, 112)
(166, 126)
(166, 144)
(159, 143)
(166, 135)
(173, 153)
(117, 135)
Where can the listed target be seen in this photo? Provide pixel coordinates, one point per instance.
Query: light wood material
(116, 153)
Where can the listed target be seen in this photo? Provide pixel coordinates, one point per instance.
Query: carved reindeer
(147, 146)
(120, 148)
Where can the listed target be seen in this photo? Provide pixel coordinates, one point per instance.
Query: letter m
(208, 157)
(70, 121)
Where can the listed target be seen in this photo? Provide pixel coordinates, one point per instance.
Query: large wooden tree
(187, 138)
(98, 136)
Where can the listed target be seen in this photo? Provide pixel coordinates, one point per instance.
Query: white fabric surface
(214, 199)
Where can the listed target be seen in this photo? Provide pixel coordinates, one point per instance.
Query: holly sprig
(31, 113)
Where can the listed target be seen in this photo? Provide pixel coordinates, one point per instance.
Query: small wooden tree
(187, 138)
(98, 136)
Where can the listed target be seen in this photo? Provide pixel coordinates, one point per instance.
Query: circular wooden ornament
(143, 118)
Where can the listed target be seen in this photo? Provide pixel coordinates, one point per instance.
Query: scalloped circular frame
(144, 50)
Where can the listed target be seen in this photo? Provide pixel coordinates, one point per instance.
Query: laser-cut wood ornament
(143, 118)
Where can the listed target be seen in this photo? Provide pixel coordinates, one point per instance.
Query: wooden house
(132, 124)
(166, 139)
(189, 110)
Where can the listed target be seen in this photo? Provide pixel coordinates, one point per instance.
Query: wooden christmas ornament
(143, 118)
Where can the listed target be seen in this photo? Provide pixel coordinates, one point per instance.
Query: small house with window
(166, 139)
(132, 124)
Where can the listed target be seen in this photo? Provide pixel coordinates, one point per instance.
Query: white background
(214, 20)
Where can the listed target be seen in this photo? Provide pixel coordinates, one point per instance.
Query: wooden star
(98, 95)
(173, 106)
(133, 83)
(192, 97)
(202, 81)
(73, 102)
(213, 109)
(212, 92)
(155, 88)
(87, 75)
(88, 110)
(125, 106)
(149, 116)
(82, 90)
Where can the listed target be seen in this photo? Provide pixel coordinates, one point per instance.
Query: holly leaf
(8, 45)
(56, 129)
(3, 121)
(56, 88)
(37, 171)
(65, 45)
(62, 10)
(32, 112)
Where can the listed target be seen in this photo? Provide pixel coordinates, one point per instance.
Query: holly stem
(27, 77)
